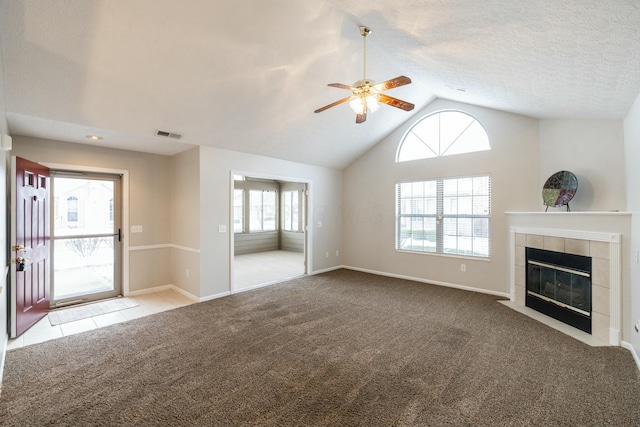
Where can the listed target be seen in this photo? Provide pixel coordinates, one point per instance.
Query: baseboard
(326, 270)
(5, 342)
(164, 288)
(431, 282)
(629, 347)
(214, 296)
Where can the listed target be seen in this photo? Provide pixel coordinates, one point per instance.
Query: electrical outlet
(463, 267)
(337, 253)
(637, 326)
(186, 272)
(326, 254)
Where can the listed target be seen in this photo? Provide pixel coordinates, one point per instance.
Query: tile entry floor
(153, 302)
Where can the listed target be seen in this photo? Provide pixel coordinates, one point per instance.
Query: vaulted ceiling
(246, 75)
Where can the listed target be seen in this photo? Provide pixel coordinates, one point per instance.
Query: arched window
(443, 134)
(72, 209)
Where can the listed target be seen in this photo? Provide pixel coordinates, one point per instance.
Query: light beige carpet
(72, 314)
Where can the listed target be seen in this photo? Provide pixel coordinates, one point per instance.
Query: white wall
(369, 199)
(632, 159)
(325, 190)
(4, 241)
(594, 151)
(185, 221)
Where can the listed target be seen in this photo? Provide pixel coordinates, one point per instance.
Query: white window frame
(442, 208)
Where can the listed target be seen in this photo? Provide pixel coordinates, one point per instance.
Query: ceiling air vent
(166, 134)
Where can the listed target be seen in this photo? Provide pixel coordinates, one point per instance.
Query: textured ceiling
(247, 75)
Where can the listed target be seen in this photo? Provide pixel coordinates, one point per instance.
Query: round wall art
(559, 189)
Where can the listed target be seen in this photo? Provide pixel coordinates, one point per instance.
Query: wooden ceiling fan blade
(395, 102)
(390, 84)
(362, 117)
(341, 86)
(333, 104)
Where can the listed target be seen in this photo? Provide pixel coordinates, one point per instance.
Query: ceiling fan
(366, 93)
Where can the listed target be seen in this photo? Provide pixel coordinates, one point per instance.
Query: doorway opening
(269, 241)
(86, 237)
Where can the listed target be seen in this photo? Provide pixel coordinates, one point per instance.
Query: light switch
(222, 229)
(136, 229)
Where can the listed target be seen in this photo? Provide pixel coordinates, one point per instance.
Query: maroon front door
(31, 246)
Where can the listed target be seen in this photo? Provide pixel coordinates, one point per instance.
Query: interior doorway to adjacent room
(269, 230)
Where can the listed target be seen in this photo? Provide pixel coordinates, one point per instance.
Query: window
(238, 211)
(290, 206)
(263, 210)
(446, 216)
(72, 209)
(443, 134)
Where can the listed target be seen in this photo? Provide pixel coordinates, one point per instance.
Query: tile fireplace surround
(583, 236)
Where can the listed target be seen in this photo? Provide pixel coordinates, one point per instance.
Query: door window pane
(82, 206)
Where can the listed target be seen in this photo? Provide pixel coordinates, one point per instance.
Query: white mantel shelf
(579, 213)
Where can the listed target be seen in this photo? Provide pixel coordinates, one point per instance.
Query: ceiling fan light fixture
(357, 104)
(366, 94)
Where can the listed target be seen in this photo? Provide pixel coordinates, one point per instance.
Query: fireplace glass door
(559, 285)
(566, 287)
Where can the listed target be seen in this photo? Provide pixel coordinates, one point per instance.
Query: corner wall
(369, 199)
(594, 151)
(185, 221)
(632, 159)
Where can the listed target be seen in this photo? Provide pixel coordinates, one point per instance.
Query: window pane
(450, 206)
(481, 246)
(413, 148)
(255, 210)
(269, 210)
(461, 204)
(443, 133)
(481, 227)
(465, 205)
(473, 139)
(465, 186)
(450, 187)
(262, 215)
(238, 211)
(481, 205)
(290, 210)
(417, 234)
(465, 226)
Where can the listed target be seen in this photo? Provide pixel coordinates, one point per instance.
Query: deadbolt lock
(20, 263)
(18, 248)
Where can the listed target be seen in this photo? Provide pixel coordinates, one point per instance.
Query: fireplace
(559, 285)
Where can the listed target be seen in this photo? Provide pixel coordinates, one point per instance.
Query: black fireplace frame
(563, 314)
